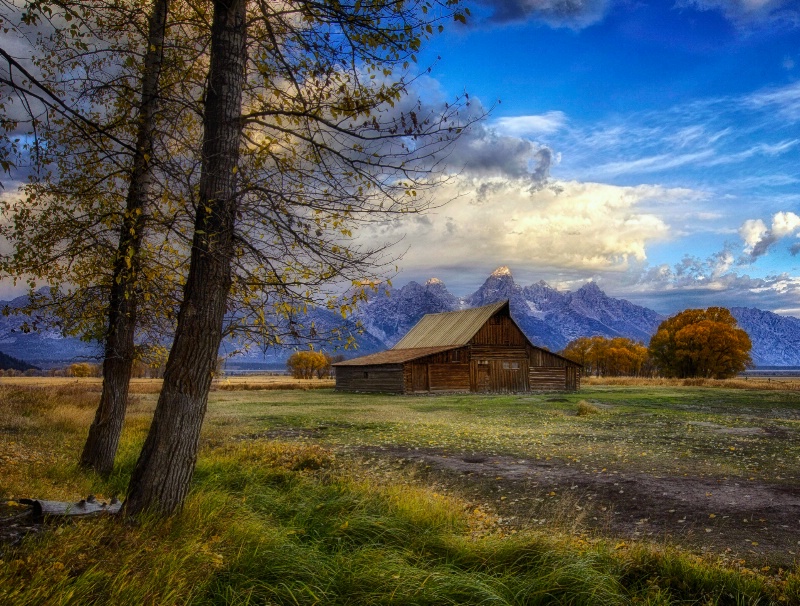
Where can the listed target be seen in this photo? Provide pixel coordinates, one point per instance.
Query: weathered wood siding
(499, 357)
(540, 357)
(499, 330)
(449, 377)
(554, 378)
(445, 371)
(574, 378)
(384, 379)
(501, 375)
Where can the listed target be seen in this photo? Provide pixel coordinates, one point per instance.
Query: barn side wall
(445, 371)
(386, 378)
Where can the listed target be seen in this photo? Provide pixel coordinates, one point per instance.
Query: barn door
(419, 377)
(482, 379)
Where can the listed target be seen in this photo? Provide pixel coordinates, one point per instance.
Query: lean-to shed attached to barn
(474, 350)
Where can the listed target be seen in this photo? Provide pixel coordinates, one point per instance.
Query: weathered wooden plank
(548, 378)
(449, 377)
(85, 507)
(384, 379)
(499, 330)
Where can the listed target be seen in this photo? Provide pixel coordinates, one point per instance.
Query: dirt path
(732, 517)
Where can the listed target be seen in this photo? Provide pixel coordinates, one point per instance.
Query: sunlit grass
(661, 430)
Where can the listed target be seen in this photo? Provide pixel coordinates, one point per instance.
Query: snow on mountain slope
(549, 317)
(553, 318)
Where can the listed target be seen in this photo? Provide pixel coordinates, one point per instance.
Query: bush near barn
(309, 364)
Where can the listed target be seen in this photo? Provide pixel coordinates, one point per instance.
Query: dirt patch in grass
(735, 518)
(735, 431)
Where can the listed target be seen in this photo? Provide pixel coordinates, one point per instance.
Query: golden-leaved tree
(97, 124)
(309, 364)
(334, 150)
(319, 138)
(701, 343)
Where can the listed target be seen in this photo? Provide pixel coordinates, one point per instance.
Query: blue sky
(669, 133)
(650, 146)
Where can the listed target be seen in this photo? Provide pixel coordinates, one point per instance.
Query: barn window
(454, 356)
(515, 366)
(483, 362)
(366, 375)
(506, 365)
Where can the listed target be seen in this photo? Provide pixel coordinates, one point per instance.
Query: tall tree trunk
(162, 475)
(103, 440)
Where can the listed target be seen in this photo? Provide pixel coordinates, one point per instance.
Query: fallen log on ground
(85, 507)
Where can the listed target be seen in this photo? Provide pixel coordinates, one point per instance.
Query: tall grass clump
(585, 409)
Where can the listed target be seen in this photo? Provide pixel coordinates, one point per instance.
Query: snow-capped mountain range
(551, 318)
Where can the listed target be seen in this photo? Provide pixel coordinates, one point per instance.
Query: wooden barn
(475, 350)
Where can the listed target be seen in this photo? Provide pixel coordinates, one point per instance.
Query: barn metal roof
(448, 329)
(394, 356)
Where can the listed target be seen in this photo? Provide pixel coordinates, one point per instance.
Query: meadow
(617, 494)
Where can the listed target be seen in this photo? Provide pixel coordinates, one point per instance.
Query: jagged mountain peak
(498, 286)
(591, 289)
(501, 271)
(434, 282)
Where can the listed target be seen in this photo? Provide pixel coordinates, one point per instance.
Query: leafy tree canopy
(701, 343)
(309, 364)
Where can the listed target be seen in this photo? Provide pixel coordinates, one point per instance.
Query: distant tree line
(11, 363)
(704, 343)
(14, 367)
(604, 357)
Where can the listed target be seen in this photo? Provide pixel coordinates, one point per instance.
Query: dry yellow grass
(274, 522)
(151, 386)
(772, 384)
(270, 382)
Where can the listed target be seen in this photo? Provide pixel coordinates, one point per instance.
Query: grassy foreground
(289, 522)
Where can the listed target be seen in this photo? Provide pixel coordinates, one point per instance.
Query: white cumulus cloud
(758, 238)
(567, 225)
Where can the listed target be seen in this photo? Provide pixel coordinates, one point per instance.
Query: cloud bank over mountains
(616, 200)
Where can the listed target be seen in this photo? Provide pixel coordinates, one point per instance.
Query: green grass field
(613, 495)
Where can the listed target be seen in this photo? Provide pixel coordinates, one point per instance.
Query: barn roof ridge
(449, 328)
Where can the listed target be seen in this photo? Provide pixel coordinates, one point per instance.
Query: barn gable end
(475, 350)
